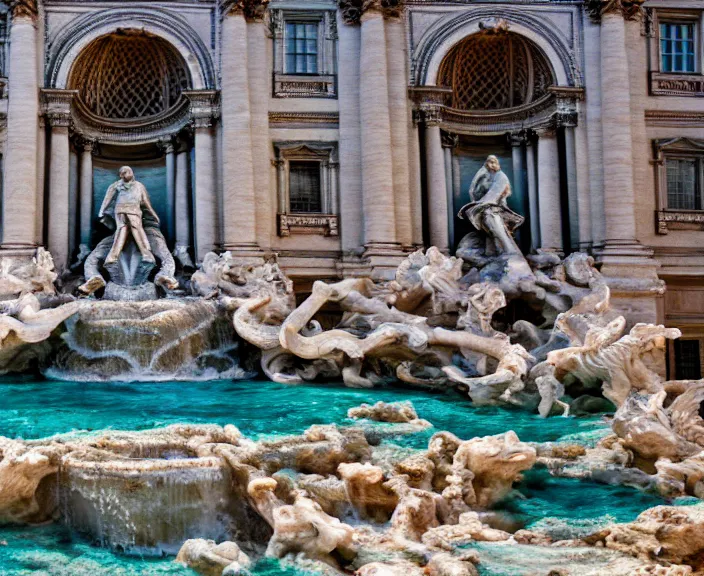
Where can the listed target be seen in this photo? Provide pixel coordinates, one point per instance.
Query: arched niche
(444, 36)
(175, 30)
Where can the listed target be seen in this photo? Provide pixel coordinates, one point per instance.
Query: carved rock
(211, 559)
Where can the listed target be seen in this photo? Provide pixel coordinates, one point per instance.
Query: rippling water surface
(37, 409)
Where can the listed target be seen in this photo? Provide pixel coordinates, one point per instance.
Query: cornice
(680, 118)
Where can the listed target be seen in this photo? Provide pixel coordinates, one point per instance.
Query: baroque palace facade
(341, 136)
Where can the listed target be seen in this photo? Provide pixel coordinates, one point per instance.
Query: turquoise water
(32, 409)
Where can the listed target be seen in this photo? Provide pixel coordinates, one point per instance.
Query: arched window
(129, 74)
(494, 70)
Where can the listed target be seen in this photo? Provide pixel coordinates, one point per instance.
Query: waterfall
(168, 339)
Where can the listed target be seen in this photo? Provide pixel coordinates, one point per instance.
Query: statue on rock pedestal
(129, 254)
(490, 247)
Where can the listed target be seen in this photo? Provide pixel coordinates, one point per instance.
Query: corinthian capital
(629, 9)
(24, 8)
(352, 10)
(251, 9)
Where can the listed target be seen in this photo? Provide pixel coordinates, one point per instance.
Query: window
(301, 41)
(304, 186)
(679, 184)
(677, 47)
(305, 45)
(687, 360)
(307, 187)
(683, 191)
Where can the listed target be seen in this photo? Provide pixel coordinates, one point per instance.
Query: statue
(490, 215)
(130, 254)
(490, 247)
(127, 202)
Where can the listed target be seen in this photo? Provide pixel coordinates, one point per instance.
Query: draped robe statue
(491, 246)
(493, 220)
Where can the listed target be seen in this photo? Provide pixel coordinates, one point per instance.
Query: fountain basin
(146, 506)
(153, 340)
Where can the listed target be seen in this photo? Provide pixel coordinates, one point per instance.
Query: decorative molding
(24, 9)
(676, 84)
(304, 119)
(543, 112)
(135, 131)
(679, 118)
(567, 92)
(204, 107)
(299, 86)
(629, 9)
(250, 9)
(322, 224)
(352, 10)
(57, 106)
(667, 220)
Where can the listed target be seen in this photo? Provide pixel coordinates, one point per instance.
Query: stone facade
(340, 136)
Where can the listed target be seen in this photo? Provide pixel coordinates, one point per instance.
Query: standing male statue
(127, 202)
(127, 209)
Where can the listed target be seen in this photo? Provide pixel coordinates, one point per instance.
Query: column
(205, 201)
(377, 161)
(86, 195)
(592, 79)
(238, 198)
(183, 218)
(448, 143)
(58, 113)
(436, 186)
(399, 118)
(549, 191)
(168, 147)
(73, 176)
(20, 193)
(571, 177)
(415, 184)
(351, 217)
(533, 208)
(519, 189)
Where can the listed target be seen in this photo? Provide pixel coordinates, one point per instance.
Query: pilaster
(239, 217)
(627, 265)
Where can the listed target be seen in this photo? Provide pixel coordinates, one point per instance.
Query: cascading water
(147, 506)
(169, 339)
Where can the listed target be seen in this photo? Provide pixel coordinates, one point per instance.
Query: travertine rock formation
(19, 277)
(669, 534)
(211, 559)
